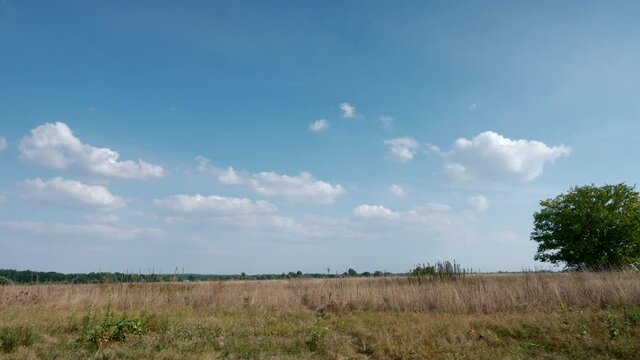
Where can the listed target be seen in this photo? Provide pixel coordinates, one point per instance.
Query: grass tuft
(13, 337)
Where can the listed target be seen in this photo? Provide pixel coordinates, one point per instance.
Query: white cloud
(213, 205)
(374, 212)
(3, 143)
(433, 207)
(417, 214)
(478, 202)
(455, 171)
(54, 145)
(301, 188)
(386, 121)
(273, 227)
(319, 125)
(397, 190)
(202, 163)
(433, 216)
(87, 231)
(103, 218)
(229, 176)
(491, 156)
(279, 228)
(402, 149)
(69, 193)
(348, 110)
(434, 149)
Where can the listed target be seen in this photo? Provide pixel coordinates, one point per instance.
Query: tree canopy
(590, 227)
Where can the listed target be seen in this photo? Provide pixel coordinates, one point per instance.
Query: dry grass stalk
(475, 294)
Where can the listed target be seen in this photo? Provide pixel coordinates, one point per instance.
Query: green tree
(590, 227)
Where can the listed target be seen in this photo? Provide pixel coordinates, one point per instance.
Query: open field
(577, 315)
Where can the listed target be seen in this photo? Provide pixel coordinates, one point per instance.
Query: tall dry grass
(479, 294)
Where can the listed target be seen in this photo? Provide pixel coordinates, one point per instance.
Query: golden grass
(473, 294)
(533, 316)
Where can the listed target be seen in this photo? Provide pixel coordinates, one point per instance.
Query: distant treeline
(32, 277)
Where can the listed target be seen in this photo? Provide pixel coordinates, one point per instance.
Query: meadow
(576, 315)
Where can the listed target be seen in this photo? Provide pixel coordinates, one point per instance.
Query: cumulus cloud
(402, 149)
(227, 176)
(348, 110)
(434, 149)
(491, 156)
(319, 125)
(301, 188)
(374, 212)
(213, 205)
(432, 216)
(397, 190)
(416, 214)
(69, 193)
(478, 202)
(88, 231)
(56, 146)
(3, 143)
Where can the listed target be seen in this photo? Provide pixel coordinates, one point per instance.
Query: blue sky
(274, 136)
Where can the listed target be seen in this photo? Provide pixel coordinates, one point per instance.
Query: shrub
(318, 333)
(110, 329)
(445, 270)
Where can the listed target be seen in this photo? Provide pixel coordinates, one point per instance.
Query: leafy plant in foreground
(110, 329)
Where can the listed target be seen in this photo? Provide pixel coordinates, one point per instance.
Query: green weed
(12, 337)
(318, 333)
(612, 328)
(110, 329)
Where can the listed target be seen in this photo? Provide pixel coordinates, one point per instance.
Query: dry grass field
(515, 316)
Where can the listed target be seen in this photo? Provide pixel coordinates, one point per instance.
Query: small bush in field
(632, 316)
(318, 334)
(441, 270)
(110, 329)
